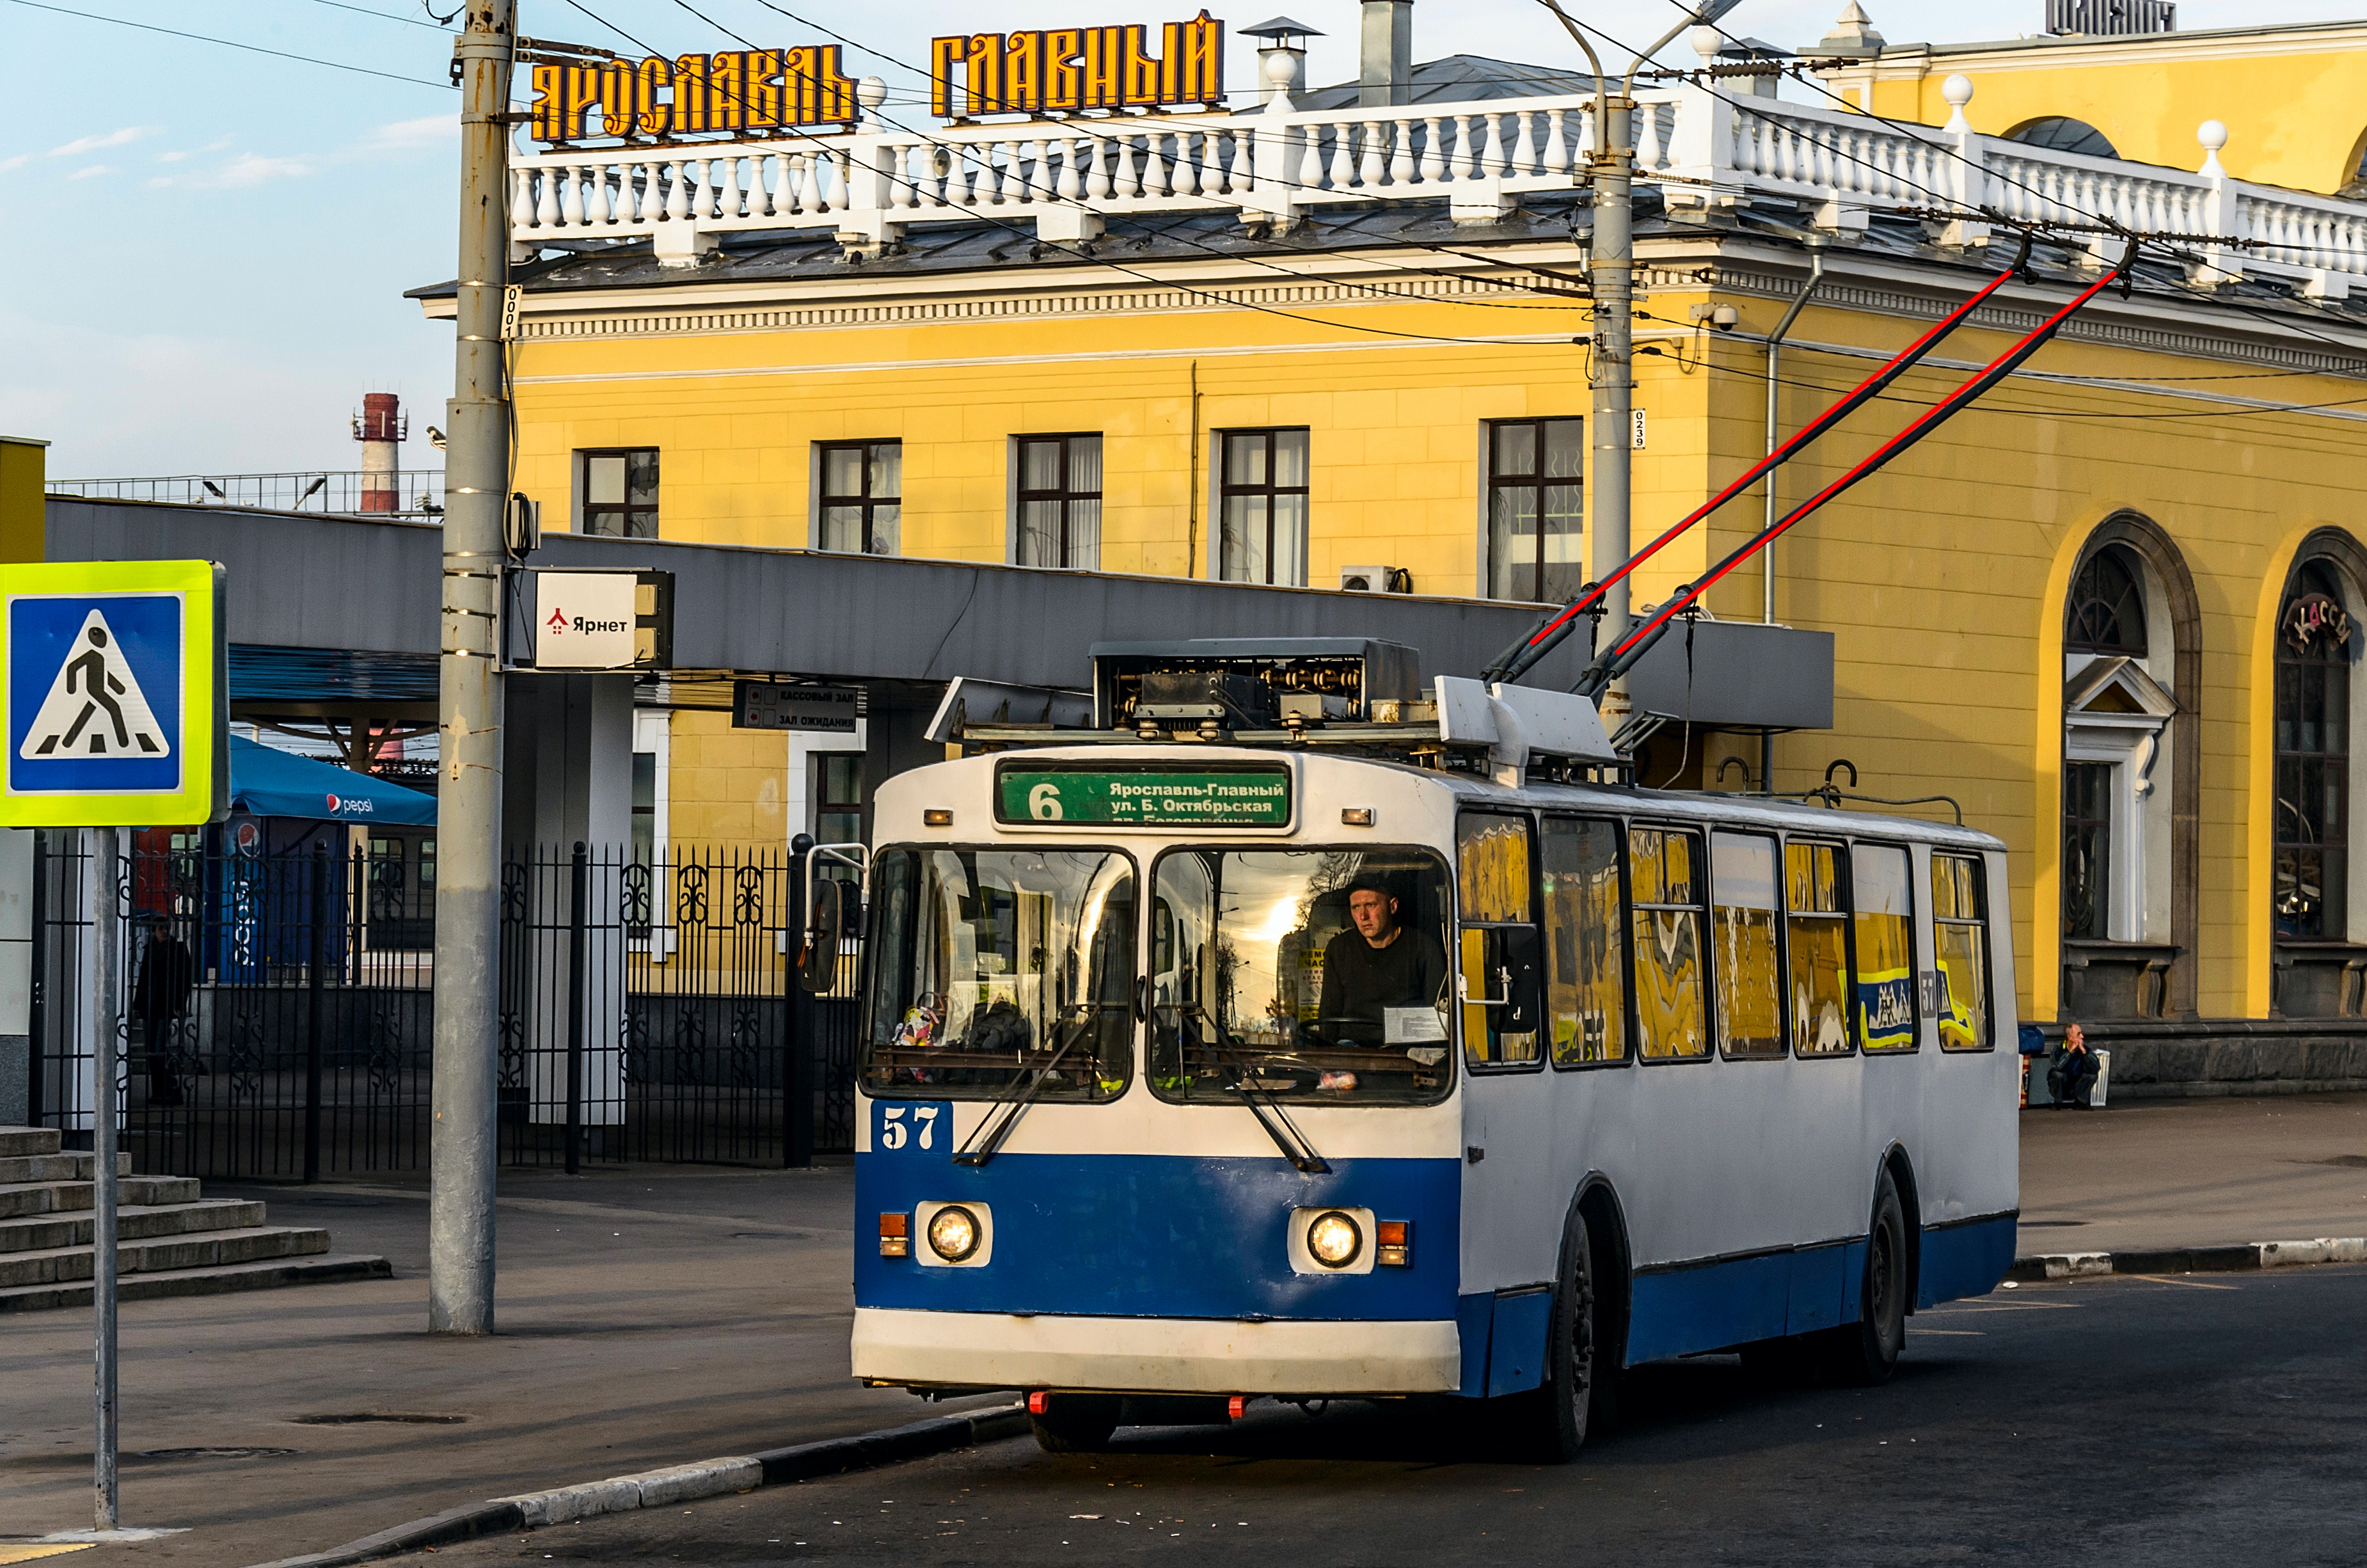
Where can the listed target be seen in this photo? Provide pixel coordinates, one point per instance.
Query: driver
(1375, 965)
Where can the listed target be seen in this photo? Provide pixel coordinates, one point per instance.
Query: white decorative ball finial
(2214, 136)
(1279, 67)
(871, 92)
(1705, 40)
(1958, 90)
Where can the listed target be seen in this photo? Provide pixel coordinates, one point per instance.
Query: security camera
(436, 439)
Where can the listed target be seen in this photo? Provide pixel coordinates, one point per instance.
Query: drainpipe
(1816, 245)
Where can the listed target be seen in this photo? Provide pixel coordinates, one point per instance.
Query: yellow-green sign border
(204, 794)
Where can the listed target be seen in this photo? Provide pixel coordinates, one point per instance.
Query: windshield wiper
(1269, 1112)
(999, 1121)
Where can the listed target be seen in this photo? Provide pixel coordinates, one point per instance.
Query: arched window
(2107, 609)
(2126, 631)
(2064, 134)
(2313, 759)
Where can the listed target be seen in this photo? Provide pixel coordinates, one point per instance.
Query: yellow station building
(2113, 611)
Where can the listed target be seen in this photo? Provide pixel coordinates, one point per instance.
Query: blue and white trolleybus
(1248, 1047)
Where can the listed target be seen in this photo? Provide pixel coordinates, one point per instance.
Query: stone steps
(18, 1142)
(317, 1270)
(19, 1198)
(133, 1223)
(164, 1254)
(170, 1240)
(19, 1168)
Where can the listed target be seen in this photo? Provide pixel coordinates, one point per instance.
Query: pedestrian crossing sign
(115, 689)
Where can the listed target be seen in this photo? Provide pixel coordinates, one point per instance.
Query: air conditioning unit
(1376, 580)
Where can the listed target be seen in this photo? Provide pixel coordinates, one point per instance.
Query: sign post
(113, 680)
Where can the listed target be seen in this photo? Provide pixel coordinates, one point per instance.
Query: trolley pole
(107, 950)
(468, 707)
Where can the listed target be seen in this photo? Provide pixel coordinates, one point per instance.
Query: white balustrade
(1704, 148)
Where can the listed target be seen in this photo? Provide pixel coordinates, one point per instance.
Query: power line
(382, 16)
(230, 43)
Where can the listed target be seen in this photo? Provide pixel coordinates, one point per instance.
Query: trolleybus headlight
(953, 1232)
(1333, 1239)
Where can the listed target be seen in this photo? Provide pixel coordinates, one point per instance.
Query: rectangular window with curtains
(1536, 508)
(620, 493)
(1059, 494)
(1263, 491)
(862, 497)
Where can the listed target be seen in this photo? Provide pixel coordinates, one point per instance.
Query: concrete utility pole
(1610, 274)
(465, 1148)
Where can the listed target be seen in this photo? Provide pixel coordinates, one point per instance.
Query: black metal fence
(278, 1009)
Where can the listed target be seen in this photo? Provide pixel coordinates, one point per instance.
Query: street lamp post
(1610, 274)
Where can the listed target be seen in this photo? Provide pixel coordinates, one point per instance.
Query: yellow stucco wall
(726, 786)
(2295, 104)
(1943, 579)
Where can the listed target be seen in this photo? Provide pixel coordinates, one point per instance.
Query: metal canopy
(371, 587)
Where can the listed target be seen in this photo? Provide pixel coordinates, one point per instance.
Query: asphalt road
(2201, 1419)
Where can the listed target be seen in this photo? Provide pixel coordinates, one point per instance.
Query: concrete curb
(674, 1483)
(2190, 1260)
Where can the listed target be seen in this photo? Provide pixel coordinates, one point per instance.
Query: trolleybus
(1153, 1122)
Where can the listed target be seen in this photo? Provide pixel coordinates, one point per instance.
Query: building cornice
(1897, 286)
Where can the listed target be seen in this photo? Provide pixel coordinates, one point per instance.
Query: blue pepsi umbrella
(268, 782)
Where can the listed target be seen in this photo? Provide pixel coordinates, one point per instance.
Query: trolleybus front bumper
(1142, 1355)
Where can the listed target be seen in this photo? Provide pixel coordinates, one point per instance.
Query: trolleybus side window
(1742, 929)
(1316, 974)
(1672, 986)
(1882, 887)
(1000, 969)
(1960, 912)
(1586, 961)
(1817, 895)
(1499, 952)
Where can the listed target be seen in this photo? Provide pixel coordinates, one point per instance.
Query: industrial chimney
(1386, 77)
(381, 430)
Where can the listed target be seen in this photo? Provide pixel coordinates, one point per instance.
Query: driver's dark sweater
(1360, 979)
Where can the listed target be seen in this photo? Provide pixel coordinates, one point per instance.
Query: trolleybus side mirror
(825, 923)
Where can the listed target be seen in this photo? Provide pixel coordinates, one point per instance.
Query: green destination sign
(1144, 797)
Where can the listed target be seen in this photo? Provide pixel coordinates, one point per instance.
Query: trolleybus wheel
(1864, 1352)
(1075, 1423)
(1557, 1413)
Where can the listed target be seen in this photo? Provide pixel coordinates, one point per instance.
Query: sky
(206, 248)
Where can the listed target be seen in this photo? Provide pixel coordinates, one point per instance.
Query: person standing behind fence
(2074, 1072)
(159, 997)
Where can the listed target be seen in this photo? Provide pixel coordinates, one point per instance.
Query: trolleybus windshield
(1310, 974)
(996, 971)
